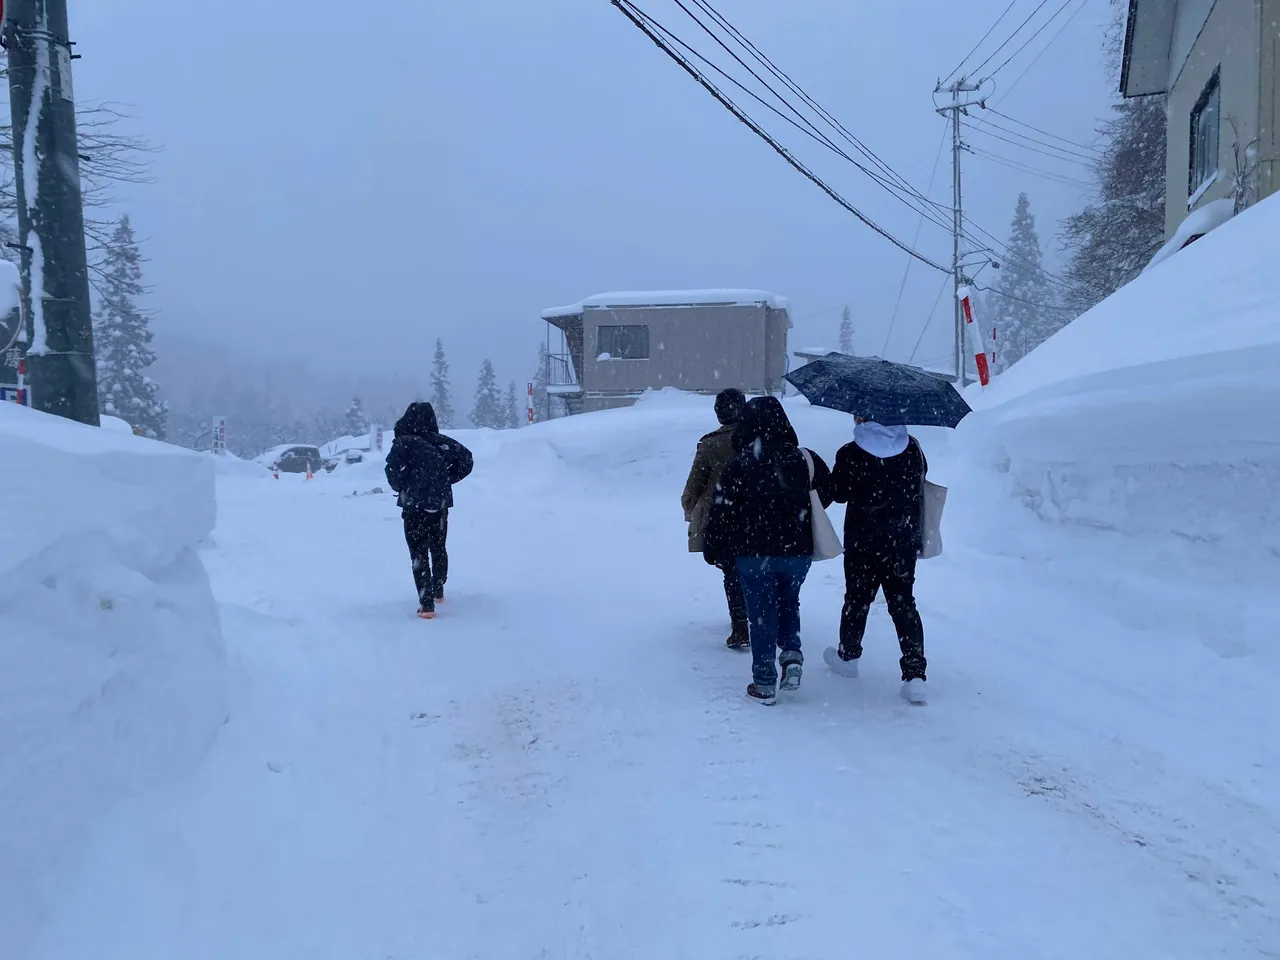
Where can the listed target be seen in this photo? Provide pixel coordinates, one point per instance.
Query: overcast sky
(342, 183)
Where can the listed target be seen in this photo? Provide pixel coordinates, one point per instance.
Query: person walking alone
(715, 450)
(761, 518)
(422, 467)
(880, 475)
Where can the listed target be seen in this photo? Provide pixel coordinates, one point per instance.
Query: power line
(638, 17)
(1035, 171)
(999, 20)
(1036, 58)
(932, 313)
(1043, 143)
(1009, 39)
(1028, 41)
(1064, 158)
(1030, 303)
(1007, 254)
(1046, 133)
(707, 7)
(907, 272)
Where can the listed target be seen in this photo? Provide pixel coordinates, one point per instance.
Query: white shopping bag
(935, 498)
(826, 542)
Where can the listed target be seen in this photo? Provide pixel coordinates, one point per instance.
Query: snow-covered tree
(513, 407)
(355, 422)
(540, 384)
(1024, 314)
(846, 332)
(488, 410)
(1111, 240)
(122, 339)
(442, 389)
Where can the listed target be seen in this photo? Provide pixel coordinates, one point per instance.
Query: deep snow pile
(111, 658)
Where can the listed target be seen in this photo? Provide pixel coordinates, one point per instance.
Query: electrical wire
(1009, 39)
(1008, 255)
(639, 18)
(1083, 162)
(1026, 43)
(1034, 171)
(1030, 303)
(1091, 155)
(907, 272)
(999, 20)
(1046, 133)
(932, 313)
(1066, 23)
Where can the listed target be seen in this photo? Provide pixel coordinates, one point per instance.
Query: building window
(629, 342)
(1205, 122)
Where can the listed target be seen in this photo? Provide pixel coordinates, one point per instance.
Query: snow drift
(111, 663)
(1151, 422)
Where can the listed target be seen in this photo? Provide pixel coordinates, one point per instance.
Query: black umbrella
(893, 394)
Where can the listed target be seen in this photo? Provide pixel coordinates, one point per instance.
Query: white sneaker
(845, 668)
(913, 692)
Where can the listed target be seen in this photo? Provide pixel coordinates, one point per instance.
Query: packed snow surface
(564, 765)
(1199, 221)
(111, 662)
(670, 298)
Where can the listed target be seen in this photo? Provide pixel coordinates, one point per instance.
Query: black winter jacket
(423, 464)
(885, 498)
(762, 506)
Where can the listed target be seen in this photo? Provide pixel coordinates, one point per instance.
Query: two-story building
(1216, 63)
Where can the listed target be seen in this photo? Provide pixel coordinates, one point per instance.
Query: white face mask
(880, 441)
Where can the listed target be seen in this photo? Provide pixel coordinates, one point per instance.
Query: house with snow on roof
(613, 347)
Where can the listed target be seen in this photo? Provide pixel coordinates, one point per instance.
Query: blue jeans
(772, 587)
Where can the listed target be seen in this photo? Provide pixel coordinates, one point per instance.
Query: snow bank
(1146, 434)
(111, 661)
(115, 424)
(229, 465)
(1198, 222)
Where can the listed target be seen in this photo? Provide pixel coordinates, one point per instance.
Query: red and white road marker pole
(531, 403)
(975, 337)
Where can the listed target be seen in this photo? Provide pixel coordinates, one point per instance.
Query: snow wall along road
(112, 672)
(1140, 450)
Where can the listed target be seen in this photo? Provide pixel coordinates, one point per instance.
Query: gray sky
(342, 183)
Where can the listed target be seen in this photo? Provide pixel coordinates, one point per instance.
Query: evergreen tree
(355, 422)
(442, 389)
(1024, 316)
(540, 384)
(846, 332)
(488, 410)
(122, 339)
(513, 407)
(1111, 240)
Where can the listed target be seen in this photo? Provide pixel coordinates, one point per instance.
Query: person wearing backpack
(422, 467)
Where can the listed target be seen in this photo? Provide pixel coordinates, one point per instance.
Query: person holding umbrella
(715, 450)
(881, 476)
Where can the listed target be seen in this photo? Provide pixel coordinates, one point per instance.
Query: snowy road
(563, 765)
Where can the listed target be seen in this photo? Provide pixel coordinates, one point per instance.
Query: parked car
(293, 458)
(354, 456)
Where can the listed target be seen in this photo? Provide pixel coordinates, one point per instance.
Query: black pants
(426, 534)
(866, 572)
(733, 593)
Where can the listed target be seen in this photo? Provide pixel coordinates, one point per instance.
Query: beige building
(1216, 60)
(615, 346)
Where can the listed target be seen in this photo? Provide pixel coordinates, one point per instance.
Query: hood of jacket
(879, 440)
(764, 428)
(419, 420)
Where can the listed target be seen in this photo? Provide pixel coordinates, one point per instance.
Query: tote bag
(826, 542)
(935, 498)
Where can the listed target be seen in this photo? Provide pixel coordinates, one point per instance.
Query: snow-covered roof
(1198, 222)
(670, 298)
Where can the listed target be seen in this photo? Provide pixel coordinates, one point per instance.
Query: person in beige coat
(714, 451)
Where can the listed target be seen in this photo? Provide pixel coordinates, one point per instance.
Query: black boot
(740, 638)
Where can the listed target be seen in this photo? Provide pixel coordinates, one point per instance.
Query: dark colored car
(294, 459)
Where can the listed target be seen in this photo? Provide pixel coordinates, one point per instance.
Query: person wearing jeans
(772, 588)
(761, 520)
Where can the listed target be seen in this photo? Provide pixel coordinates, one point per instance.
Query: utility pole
(954, 110)
(46, 160)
